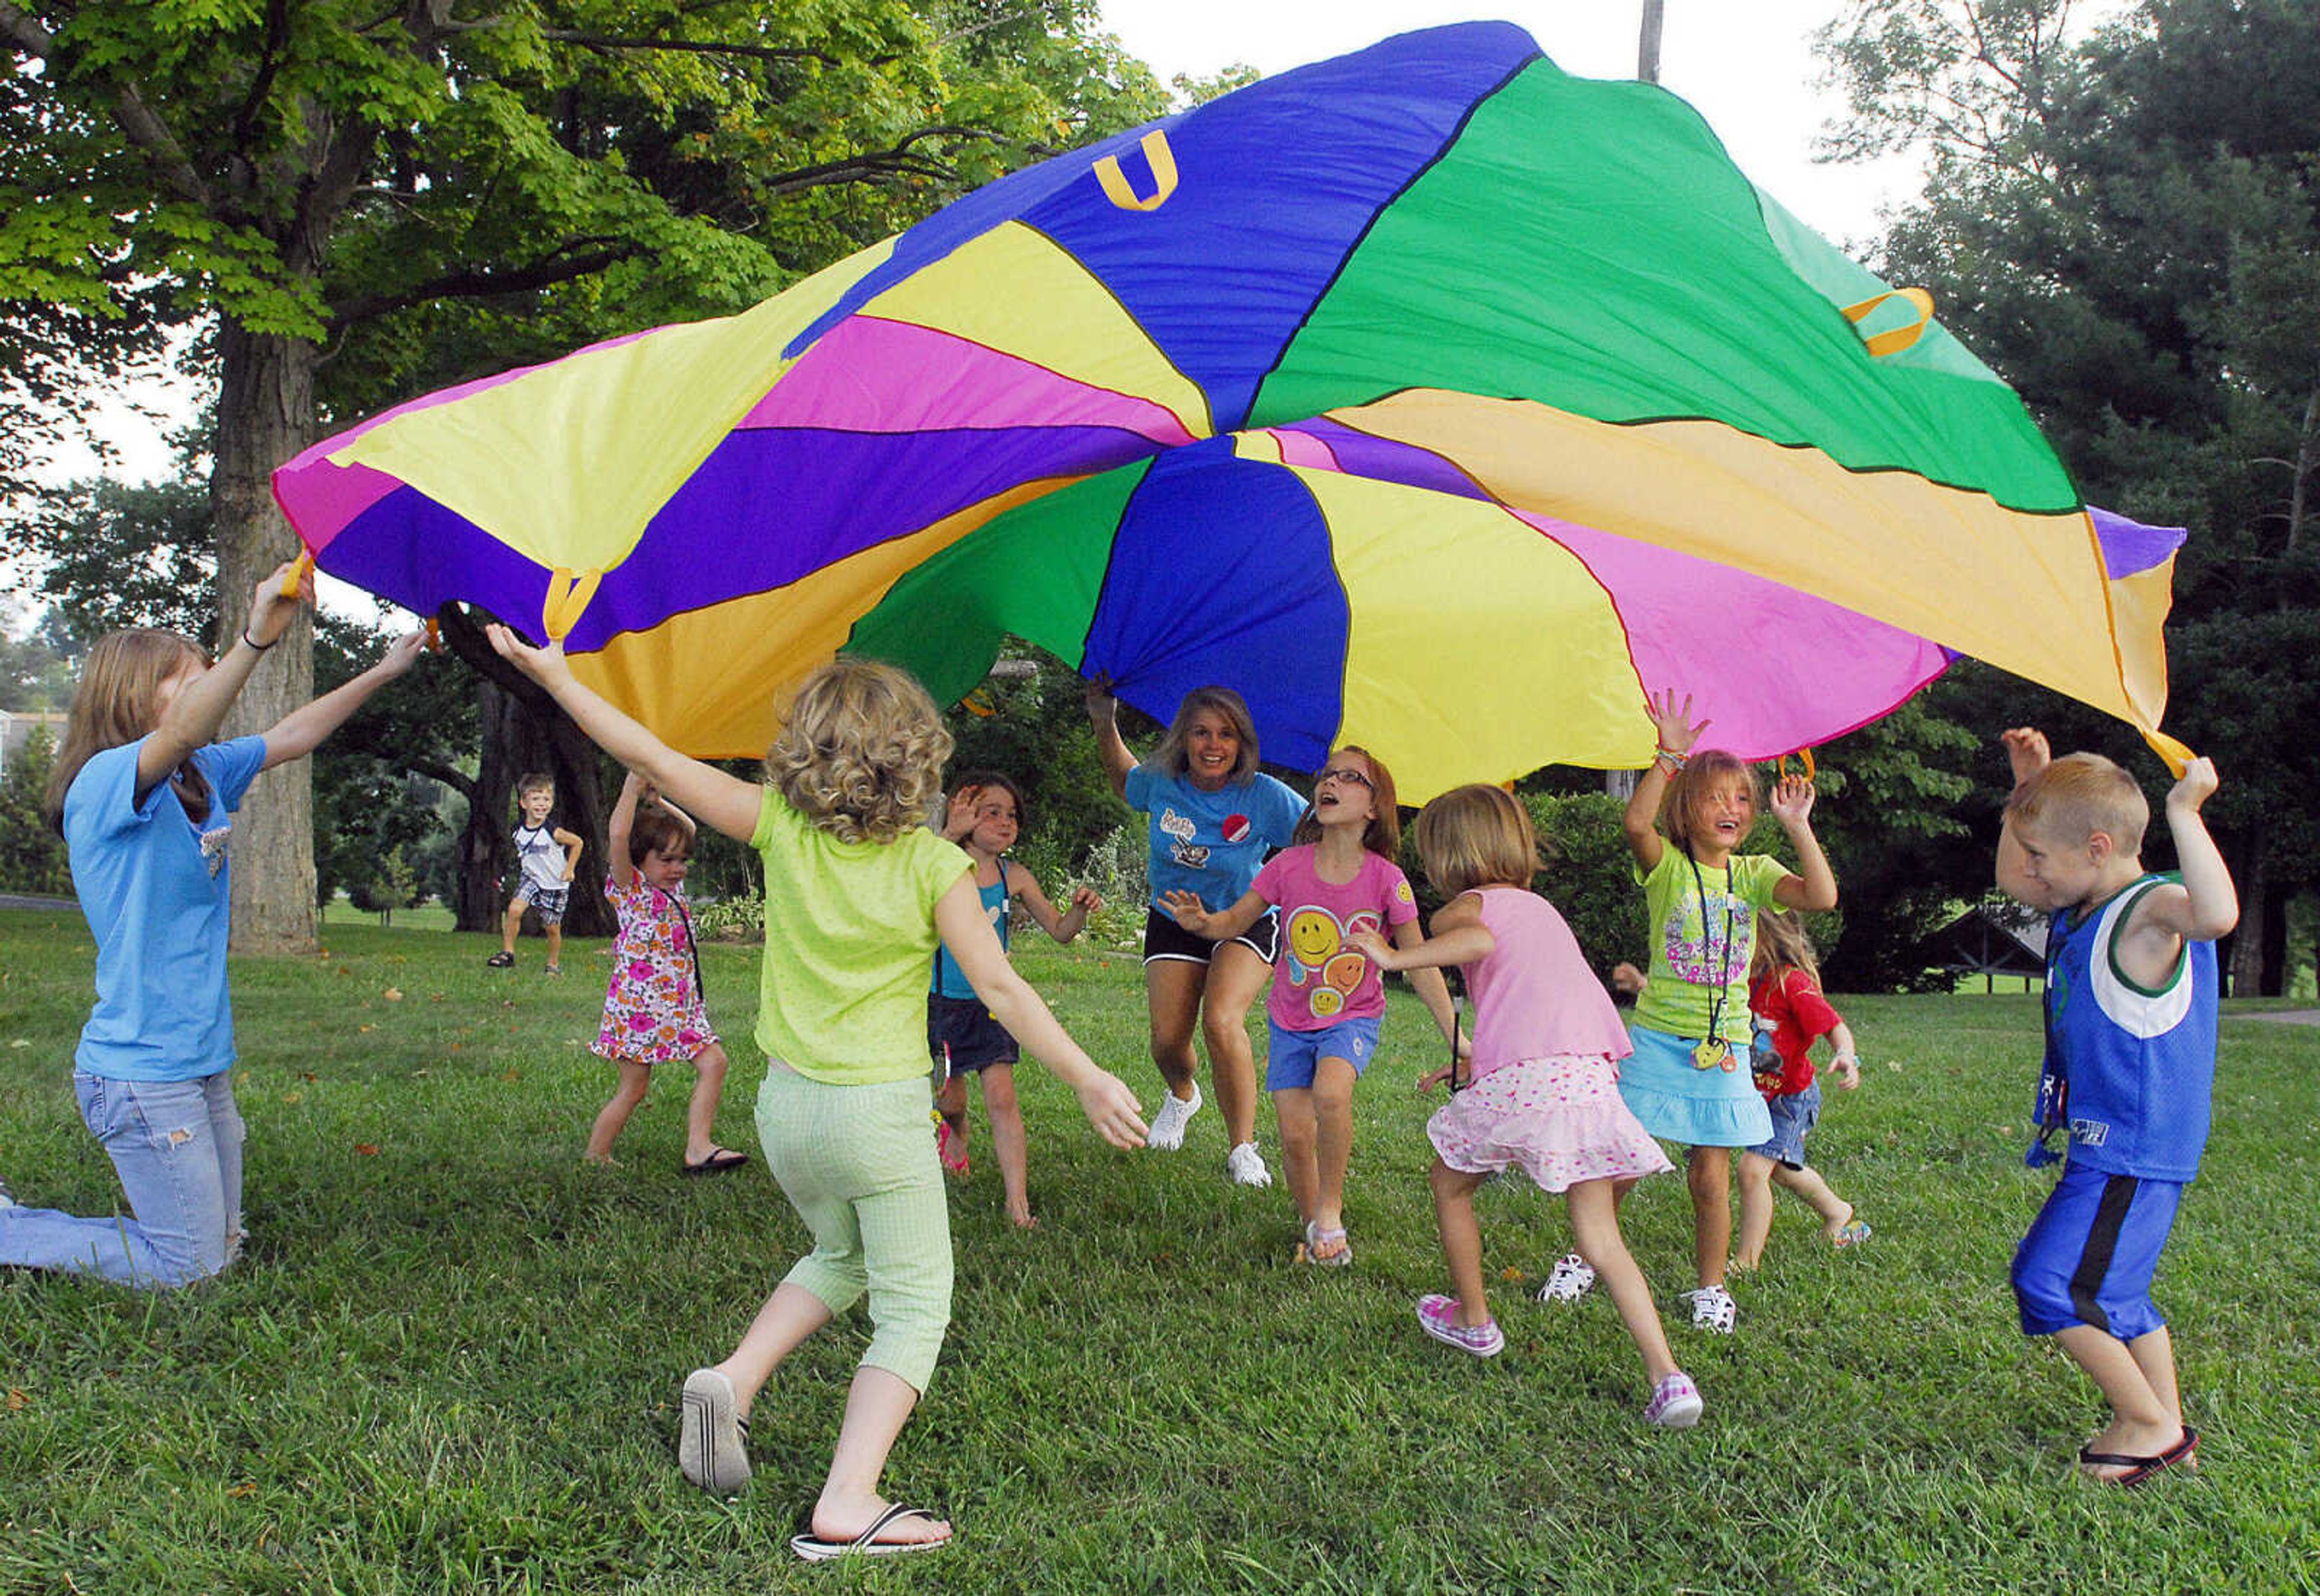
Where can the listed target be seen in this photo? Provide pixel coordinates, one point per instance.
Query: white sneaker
(1167, 1131)
(7, 1197)
(1712, 1309)
(1246, 1165)
(1571, 1278)
(713, 1440)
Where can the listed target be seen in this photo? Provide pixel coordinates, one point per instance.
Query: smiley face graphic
(1345, 970)
(1327, 1001)
(1313, 936)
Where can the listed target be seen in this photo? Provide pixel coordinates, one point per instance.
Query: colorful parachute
(1436, 400)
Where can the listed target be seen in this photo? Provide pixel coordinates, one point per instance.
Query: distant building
(1996, 938)
(16, 725)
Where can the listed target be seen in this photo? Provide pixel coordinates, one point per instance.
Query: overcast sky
(1746, 65)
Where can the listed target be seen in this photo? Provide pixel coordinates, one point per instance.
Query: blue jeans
(177, 1146)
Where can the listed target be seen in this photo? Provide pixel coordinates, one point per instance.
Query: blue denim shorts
(1794, 1115)
(1292, 1055)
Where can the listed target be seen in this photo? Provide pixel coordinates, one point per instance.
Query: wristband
(1674, 760)
(255, 645)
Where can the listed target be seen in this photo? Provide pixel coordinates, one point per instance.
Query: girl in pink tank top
(1542, 1095)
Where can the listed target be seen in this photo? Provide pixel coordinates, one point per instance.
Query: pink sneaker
(1437, 1316)
(1675, 1403)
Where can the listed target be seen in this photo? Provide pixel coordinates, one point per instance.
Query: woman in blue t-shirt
(1214, 818)
(143, 797)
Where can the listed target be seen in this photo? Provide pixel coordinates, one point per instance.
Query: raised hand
(958, 819)
(1373, 947)
(2027, 751)
(2195, 786)
(1673, 722)
(1792, 800)
(545, 666)
(270, 610)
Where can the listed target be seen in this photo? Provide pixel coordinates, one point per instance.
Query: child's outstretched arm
(1677, 734)
(2204, 907)
(301, 731)
(1814, 889)
(617, 826)
(1220, 925)
(1062, 925)
(1460, 938)
(195, 715)
(725, 802)
(1845, 1061)
(1426, 981)
(1110, 1107)
(1103, 714)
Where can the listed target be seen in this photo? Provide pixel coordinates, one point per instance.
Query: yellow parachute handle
(1900, 337)
(305, 563)
(1164, 175)
(434, 635)
(978, 705)
(567, 600)
(2176, 754)
(1804, 756)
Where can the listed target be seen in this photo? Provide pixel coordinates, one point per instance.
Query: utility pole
(1621, 784)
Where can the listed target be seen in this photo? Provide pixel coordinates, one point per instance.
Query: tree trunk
(2252, 875)
(484, 851)
(265, 414)
(1647, 41)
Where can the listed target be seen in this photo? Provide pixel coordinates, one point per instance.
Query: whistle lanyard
(1723, 996)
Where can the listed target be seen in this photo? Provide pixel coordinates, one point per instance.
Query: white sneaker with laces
(1246, 1165)
(1571, 1278)
(1675, 1403)
(1167, 1131)
(1712, 1309)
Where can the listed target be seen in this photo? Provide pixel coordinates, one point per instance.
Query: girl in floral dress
(652, 1010)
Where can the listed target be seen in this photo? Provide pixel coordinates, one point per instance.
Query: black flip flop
(716, 1163)
(2139, 1469)
(814, 1549)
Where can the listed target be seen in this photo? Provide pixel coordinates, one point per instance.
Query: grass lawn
(450, 1360)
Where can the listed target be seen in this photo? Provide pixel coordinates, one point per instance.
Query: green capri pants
(857, 1163)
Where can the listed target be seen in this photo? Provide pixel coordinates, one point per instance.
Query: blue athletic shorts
(2091, 1254)
(1291, 1054)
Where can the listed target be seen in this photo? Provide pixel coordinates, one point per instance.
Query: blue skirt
(1698, 1108)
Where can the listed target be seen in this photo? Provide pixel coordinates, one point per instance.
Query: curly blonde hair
(861, 755)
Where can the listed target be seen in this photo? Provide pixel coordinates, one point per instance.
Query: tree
(367, 197)
(2128, 226)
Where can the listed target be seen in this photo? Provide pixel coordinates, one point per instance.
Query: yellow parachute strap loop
(567, 600)
(978, 705)
(1164, 175)
(1900, 337)
(2176, 753)
(434, 635)
(305, 563)
(1803, 756)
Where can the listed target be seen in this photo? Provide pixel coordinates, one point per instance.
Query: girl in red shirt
(1791, 1013)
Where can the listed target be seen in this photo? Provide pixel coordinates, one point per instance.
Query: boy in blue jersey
(2131, 995)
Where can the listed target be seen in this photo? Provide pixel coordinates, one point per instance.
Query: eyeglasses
(1338, 773)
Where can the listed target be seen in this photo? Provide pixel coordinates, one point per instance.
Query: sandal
(2183, 1455)
(502, 960)
(950, 1150)
(1316, 1238)
(718, 1161)
(1853, 1233)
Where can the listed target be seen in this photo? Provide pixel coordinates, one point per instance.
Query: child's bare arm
(1110, 1107)
(569, 841)
(1845, 1062)
(1460, 938)
(1814, 890)
(1426, 981)
(725, 802)
(653, 796)
(2027, 751)
(2204, 907)
(617, 826)
(1062, 925)
(1676, 732)
(1218, 925)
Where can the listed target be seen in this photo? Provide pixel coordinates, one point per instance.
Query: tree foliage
(2128, 226)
